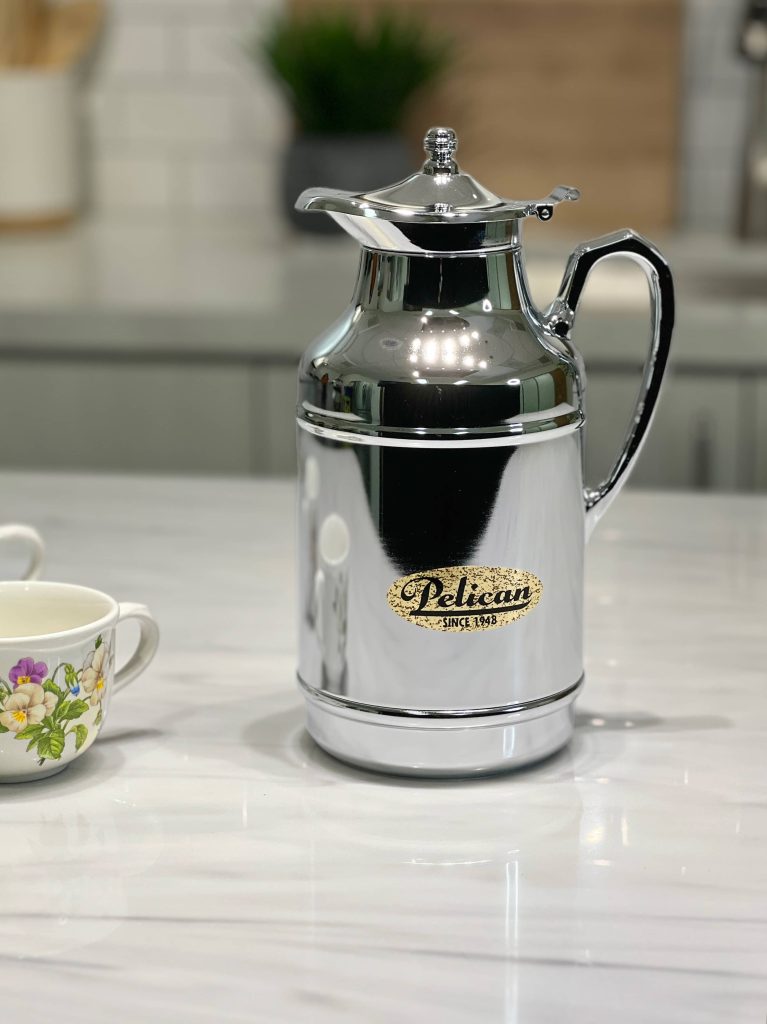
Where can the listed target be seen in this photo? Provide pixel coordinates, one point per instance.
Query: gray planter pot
(354, 162)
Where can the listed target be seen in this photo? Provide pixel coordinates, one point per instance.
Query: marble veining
(204, 861)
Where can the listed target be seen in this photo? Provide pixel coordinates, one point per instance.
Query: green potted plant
(348, 83)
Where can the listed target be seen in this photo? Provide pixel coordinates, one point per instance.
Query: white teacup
(32, 540)
(57, 650)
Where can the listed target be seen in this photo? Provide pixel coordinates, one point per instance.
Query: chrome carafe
(442, 512)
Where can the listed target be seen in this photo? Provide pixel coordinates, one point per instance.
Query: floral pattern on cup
(27, 671)
(45, 712)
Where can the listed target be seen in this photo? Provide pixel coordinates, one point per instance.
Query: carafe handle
(561, 315)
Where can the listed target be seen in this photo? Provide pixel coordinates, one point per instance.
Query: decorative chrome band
(562, 697)
(349, 437)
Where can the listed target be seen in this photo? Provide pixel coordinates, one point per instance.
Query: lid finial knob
(439, 145)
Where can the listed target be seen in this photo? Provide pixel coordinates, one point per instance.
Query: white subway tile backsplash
(141, 10)
(106, 116)
(715, 124)
(712, 61)
(261, 121)
(212, 50)
(128, 182)
(709, 198)
(134, 50)
(249, 14)
(182, 119)
(171, 10)
(717, 97)
(219, 6)
(238, 184)
(178, 117)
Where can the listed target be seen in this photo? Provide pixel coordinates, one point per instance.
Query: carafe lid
(437, 210)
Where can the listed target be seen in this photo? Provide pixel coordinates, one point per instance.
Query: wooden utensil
(70, 32)
(22, 29)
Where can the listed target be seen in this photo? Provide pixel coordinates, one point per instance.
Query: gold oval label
(464, 598)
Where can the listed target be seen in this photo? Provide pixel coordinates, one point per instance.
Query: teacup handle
(148, 641)
(20, 531)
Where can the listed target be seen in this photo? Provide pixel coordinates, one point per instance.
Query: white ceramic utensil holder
(40, 179)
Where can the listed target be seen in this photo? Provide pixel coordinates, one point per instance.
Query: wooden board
(579, 92)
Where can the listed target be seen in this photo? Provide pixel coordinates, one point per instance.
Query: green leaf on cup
(70, 709)
(99, 641)
(51, 745)
(51, 720)
(58, 739)
(81, 735)
(51, 687)
(99, 716)
(31, 732)
(4, 729)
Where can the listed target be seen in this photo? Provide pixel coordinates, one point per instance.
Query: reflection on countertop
(206, 861)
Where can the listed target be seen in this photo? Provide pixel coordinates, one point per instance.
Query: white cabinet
(137, 414)
(147, 416)
(695, 440)
(273, 396)
(125, 416)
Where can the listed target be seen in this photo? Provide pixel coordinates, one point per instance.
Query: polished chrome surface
(440, 145)
(441, 349)
(522, 710)
(434, 747)
(469, 218)
(404, 510)
(347, 437)
(440, 432)
(560, 317)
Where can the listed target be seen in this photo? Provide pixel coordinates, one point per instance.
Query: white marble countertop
(205, 862)
(232, 291)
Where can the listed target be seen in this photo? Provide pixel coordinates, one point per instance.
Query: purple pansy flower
(27, 670)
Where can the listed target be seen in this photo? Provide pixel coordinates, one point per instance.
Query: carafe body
(442, 511)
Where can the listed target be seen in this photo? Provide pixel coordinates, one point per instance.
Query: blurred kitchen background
(155, 293)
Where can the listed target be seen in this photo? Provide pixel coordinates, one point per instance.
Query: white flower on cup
(27, 705)
(95, 671)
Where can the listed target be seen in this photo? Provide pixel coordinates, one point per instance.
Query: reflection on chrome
(446, 342)
(330, 594)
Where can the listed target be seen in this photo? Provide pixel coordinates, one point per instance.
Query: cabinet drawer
(694, 440)
(146, 417)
